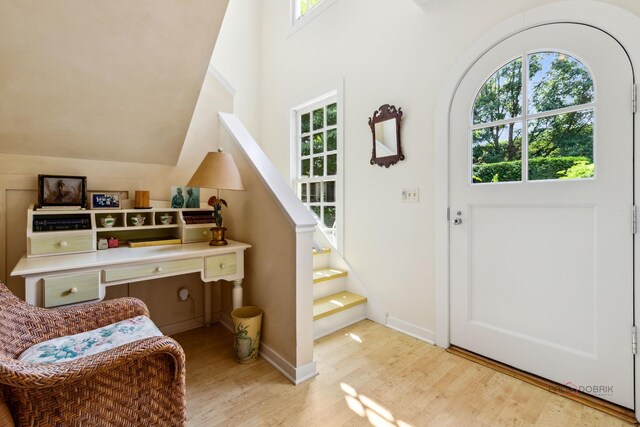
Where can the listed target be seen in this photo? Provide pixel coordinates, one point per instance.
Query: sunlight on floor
(378, 415)
(354, 337)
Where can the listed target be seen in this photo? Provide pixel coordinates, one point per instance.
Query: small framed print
(104, 200)
(62, 191)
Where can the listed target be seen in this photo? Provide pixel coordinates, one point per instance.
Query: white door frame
(620, 24)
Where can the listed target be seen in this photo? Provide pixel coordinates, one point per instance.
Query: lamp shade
(218, 171)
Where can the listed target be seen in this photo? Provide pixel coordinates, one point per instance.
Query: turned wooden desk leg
(207, 303)
(236, 294)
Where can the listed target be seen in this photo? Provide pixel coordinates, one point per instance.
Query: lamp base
(218, 236)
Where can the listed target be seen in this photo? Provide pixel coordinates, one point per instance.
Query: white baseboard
(411, 330)
(176, 328)
(293, 374)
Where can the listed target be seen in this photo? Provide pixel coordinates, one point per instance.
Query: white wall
(237, 58)
(390, 244)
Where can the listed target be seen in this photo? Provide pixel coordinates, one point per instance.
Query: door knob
(456, 221)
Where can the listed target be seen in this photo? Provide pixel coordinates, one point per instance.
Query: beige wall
(18, 186)
(254, 217)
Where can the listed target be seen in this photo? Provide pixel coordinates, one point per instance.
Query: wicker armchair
(138, 384)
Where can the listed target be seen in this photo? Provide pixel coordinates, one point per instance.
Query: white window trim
(338, 96)
(297, 23)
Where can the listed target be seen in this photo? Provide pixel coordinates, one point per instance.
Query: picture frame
(62, 191)
(104, 200)
(185, 197)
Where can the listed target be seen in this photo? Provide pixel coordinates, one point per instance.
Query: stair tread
(326, 306)
(327, 273)
(321, 251)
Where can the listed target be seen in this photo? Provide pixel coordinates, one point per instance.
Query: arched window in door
(549, 139)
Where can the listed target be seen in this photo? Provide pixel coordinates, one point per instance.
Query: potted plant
(217, 231)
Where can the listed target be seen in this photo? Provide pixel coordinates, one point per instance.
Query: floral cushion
(72, 347)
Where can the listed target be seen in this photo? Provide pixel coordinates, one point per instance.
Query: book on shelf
(153, 241)
(198, 220)
(62, 227)
(59, 208)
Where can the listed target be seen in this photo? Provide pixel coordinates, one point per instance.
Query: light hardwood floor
(369, 375)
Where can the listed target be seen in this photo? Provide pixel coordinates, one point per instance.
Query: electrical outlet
(183, 294)
(410, 194)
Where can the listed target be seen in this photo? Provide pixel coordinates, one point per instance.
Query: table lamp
(217, 171)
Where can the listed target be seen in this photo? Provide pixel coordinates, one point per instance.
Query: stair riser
(329, 287)
(337, 321)
(321, 261)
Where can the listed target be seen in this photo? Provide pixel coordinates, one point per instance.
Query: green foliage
(555, 80)
(581, 169)
(541, 168)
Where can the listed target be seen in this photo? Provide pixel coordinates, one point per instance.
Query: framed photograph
(185, 197)
(62, 191)
(104, 200)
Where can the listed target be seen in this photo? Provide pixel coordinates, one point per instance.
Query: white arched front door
(541, 195)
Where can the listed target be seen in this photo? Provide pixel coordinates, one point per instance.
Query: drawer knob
(73, 290)
(159, 269)
(64, 244)
(204, 233)
(221, 265)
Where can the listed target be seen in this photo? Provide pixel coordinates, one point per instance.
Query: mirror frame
(386, 112)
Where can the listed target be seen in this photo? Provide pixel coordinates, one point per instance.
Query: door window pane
(497, 153)
(500, 97)
(561, 146)
(557, 80)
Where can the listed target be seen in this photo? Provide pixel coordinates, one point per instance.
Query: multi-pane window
(316, 146)
(533, 119)
(302, 7)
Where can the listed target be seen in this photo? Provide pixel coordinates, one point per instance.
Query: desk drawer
(150, 270)
(71, 289)
(60, 243)
(220, 265)
(199, 234)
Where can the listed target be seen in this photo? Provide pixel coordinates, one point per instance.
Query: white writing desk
(56, 280)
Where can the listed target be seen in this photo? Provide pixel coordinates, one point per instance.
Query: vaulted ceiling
(109, 80)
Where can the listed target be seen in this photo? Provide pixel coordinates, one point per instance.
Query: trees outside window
(550, 138)
(316, 161)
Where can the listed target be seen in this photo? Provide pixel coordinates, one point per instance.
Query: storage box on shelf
(76, 231)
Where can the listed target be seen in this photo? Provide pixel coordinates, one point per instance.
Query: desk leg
(207, 303)
(32, 291)
(236, 294)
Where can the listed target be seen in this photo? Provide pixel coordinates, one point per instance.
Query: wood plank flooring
(369, 375)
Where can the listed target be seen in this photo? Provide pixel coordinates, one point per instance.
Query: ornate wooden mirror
(385, 128)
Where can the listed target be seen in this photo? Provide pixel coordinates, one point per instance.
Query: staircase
(334, 307)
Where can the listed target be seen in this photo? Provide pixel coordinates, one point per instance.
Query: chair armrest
(82, 318)
(40, 375)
